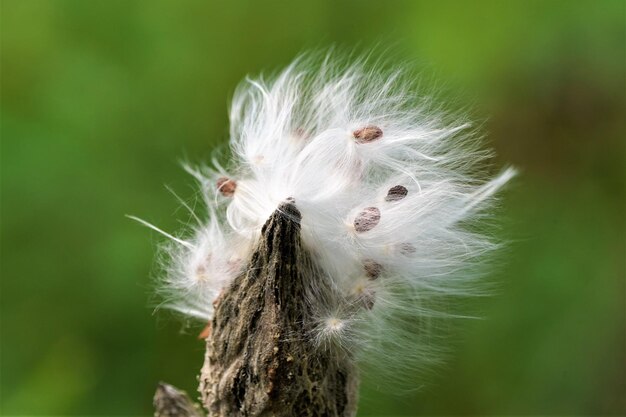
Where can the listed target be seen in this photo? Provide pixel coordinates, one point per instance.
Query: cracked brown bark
(260, 360)
(171, 402)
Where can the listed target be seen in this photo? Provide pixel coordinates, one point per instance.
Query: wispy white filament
(390, 192)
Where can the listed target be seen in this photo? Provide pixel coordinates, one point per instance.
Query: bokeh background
(102, 99)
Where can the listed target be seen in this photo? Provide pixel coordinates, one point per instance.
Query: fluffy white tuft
(390, 190)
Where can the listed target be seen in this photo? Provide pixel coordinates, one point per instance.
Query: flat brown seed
(367, 301)
(300, 133)
(367, 134)
(396, 193)
(407, 249)
(372, 269)
(226, 186)
(367, 219)
(206, 332)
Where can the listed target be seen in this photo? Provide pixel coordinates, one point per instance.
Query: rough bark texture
(260, 360)
(172, 402)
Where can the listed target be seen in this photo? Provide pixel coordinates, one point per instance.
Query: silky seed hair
(392, 192)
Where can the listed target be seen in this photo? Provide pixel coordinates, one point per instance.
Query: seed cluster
(366, 220)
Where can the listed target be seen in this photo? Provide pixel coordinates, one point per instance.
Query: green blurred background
(101, 99)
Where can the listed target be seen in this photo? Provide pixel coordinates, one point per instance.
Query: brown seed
(407, 249)
(372, 269)
(300, 133)
(368, 301)
(396, 193)
(206, 332)
(367, 219)
(226, 186)
(234, 265)
(201, 273)
(367, 134)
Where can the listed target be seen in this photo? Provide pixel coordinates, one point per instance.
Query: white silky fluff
(293, 136)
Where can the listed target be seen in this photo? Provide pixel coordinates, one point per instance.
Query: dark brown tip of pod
(396, 193)
(367, 219)
(372, 269)
(288, 208)
(367, 134)
(226, 186)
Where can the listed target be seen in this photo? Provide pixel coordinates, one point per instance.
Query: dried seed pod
(170, 401)
(366, 219)
(367, 134)
(396, 193)
(226, 186)
(372, 269)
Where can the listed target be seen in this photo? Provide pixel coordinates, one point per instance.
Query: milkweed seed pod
(348, 203)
